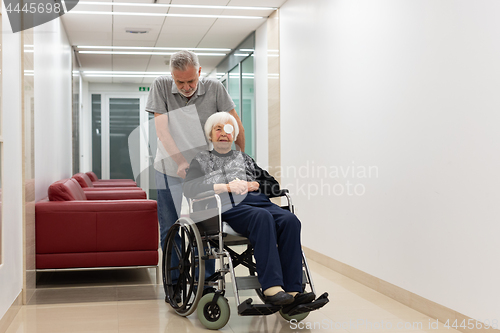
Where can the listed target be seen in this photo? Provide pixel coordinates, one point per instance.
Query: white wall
(11, 267)
(53, 106)
(261, 114)
(410, 87)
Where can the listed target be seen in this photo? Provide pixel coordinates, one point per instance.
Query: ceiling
(163, 31)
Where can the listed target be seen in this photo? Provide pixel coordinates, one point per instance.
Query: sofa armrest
(115, 195)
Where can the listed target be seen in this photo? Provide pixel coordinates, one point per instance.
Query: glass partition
(236, 72)
(234, 87)
(96, 135)
(248, 104)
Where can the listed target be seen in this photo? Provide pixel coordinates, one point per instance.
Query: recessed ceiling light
(170, 5)
(153, 48)
(148, 53)
(125, 74)
(113, 75)
(165, 14)
(137, 31)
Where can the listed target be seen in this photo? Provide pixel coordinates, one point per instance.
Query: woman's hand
(253, 186)
(237, 187)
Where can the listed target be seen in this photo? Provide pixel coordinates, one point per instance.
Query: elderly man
(181, 104)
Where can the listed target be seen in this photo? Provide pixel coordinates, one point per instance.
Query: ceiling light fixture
(154, 48)
(113, 75)
(137, 31)
(147, 53)
(170, 5)
(126, 73)
(165, 14)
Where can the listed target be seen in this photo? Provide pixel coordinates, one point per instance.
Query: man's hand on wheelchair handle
(182, 170)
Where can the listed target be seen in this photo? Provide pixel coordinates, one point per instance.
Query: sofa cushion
(83, 180)
(66, 190)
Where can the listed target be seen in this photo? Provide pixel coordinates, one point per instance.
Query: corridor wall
(52, 140)
(53, 104)
(389, 122)
(11, 267)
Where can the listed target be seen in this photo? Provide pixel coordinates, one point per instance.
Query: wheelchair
(203, 236)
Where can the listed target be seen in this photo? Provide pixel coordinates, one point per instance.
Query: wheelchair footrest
(248, 309)
(315, 305)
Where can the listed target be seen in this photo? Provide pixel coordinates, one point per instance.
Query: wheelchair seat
(226, 228)
(231, 237)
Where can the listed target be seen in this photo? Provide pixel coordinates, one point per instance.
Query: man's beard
(189, 94)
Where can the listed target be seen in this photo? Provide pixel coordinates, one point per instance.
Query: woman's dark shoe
(300, 298)
(280, 298)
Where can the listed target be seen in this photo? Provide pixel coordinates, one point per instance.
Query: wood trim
(414, 301)
(11, 313)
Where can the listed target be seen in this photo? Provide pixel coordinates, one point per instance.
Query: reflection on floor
(130, 301)
(97, 286)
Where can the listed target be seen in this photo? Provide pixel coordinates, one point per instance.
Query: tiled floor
(130, 301)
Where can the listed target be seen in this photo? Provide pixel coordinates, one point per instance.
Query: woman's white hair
(220, 118)
(182, 60)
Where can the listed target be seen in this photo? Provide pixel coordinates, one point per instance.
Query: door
(124, 151)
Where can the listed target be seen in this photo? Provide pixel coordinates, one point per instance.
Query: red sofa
(110, 182)
(72, 232)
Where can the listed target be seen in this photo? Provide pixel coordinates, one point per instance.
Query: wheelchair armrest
(281, 193)
(205, 194)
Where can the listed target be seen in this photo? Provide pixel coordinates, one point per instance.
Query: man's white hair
(220, 118)
(182, 60)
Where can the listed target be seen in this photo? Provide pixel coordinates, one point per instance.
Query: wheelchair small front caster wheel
(297, 317)
(213, 316)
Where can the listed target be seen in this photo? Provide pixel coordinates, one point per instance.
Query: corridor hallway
(129, 301)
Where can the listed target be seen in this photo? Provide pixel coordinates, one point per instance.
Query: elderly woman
(244, 187)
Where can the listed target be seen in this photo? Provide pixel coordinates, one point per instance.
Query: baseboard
(11, 313)
(418, 303)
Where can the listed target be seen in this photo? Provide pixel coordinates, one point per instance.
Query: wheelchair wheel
(297, 317)
(184, 278)
(213, 316)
